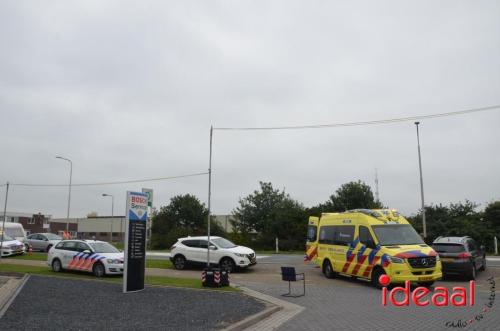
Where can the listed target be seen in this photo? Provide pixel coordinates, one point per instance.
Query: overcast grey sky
(129, 90)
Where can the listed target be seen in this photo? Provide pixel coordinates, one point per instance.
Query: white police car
(94, 256)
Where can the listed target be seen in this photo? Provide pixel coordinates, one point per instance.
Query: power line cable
(385, 121)
(112, 183)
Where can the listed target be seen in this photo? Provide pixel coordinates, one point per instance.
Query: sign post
(135, 242)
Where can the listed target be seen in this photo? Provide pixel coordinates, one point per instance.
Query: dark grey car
(460, 256)
(43, 241)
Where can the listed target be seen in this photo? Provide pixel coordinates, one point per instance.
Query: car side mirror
(212, 248)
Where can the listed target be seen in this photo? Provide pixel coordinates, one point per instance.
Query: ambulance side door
(344, 254)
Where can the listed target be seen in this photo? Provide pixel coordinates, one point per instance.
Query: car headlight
(114, 261)
(394, 259)
(240, 255)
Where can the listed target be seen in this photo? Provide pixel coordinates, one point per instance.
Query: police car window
(103, 247)
(82, 247)
(60, 245)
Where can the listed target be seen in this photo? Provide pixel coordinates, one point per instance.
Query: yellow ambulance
(366, 243)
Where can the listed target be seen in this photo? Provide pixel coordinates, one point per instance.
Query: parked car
(15, 231)
(11, 246)
(43, 241)
(460, 256)
(193, 250)
(97, 257)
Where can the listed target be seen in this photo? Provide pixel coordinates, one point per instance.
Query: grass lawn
(162, 264)
(37, 256)
(150, 280)
(40, 256)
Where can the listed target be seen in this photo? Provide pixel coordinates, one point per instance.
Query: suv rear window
(448, 248)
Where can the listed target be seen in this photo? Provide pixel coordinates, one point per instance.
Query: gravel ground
(64, 304)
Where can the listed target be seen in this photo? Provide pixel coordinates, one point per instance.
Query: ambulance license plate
(424, 279)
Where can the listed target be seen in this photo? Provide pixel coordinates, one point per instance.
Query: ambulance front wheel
(328, 270)
(376, 273)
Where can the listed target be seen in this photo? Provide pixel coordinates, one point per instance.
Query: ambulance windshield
(396, 234)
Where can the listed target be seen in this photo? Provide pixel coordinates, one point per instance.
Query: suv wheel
(483, 267)
(56, 265)
(227, 264)
(472, 272)
(179, 262)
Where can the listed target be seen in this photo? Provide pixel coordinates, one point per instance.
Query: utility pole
(69, 192)
(377, 197)
(209, 196)
(421, 183)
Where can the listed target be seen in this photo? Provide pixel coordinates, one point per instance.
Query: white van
(15, 231)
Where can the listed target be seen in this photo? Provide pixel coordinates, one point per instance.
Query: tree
(492, 215)
(352, 195)
(457, 219)
(271, 213)
(184, 215)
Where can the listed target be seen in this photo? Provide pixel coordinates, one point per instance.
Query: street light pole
(209, 196)
(421, 184)
(112, 213)
(69, 192)
(4, 217)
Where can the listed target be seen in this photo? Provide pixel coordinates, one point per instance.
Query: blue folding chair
(289, 275)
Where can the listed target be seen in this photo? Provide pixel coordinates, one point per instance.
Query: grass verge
(39, 256)
(150, 280)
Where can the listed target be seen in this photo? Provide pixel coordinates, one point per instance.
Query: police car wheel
(179, 262)
(56, 265)
(98, 270)
(328, 270)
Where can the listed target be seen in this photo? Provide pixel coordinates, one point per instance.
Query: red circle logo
(384, 280)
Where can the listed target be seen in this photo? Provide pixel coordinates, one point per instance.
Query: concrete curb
(254, 319)
(277, 313)
(12, 291)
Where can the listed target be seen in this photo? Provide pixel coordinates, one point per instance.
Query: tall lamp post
(112, 214)
(69, 192)
(421, 184)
